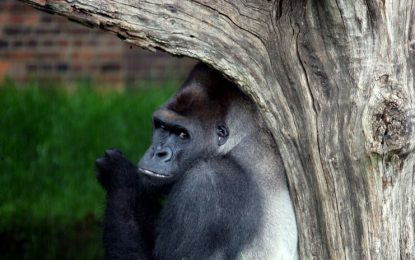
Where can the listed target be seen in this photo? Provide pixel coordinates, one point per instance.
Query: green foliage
(50, 202)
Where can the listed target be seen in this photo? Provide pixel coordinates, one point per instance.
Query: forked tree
(334, 81)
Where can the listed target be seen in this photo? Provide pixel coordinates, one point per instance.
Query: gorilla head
(190, 127)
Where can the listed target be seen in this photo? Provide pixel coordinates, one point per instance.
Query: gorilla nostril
(164, 154)
(161, 154)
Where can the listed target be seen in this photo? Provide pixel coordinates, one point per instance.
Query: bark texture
(334, 80)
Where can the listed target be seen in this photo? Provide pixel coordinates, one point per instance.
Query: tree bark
(334, 82)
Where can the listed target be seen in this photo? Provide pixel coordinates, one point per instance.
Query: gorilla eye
(183, 135)
(159, 124)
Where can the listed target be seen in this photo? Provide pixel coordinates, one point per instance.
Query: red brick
(85, 54)
(18, 56)
(4, 69)
(62, 43)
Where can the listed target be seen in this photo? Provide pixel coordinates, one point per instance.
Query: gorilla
(210, 186)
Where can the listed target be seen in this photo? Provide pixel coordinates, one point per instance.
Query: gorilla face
(178, 143)
(189, 128)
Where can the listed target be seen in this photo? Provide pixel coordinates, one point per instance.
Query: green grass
(50, 202)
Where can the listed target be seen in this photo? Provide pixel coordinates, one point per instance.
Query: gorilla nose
(164, 154)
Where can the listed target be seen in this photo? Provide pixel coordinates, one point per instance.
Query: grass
(50, 202)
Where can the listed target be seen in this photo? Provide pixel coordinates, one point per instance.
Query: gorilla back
(218, 171)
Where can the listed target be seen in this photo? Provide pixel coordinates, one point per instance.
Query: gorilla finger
(101, 163)
(113, 153)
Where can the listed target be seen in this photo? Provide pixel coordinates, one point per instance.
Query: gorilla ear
(223, 132)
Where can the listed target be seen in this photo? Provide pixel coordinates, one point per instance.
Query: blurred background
(67, 93)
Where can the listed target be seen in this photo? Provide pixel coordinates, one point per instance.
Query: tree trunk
(334, 82)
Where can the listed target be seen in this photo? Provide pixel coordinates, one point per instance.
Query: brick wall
(34, 44)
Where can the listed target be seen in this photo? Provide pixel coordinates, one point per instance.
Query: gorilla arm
(130, 212)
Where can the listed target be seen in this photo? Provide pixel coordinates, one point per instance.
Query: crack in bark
(233, 22)
(304, 71)
(341, 14)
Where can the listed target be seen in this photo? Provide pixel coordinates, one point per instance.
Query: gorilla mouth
(153, 174)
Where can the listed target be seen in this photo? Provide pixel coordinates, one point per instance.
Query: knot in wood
(389, 125)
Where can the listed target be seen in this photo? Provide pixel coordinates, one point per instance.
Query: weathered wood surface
(334, 80)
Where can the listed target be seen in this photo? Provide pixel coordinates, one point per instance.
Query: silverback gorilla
(211, 185)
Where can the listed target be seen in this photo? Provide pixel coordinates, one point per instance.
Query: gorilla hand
(115, 172)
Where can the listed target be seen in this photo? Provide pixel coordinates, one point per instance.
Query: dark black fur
(212, 205)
